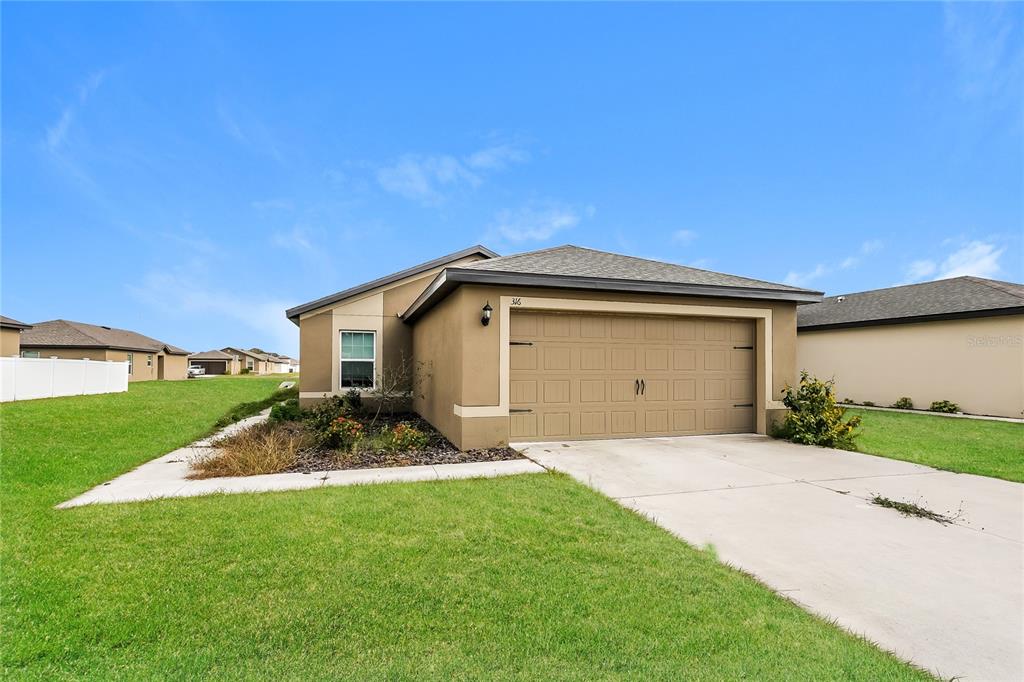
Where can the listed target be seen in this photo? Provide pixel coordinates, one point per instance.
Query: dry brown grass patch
(261, 449)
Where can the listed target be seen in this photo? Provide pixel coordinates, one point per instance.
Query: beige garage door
(578, 376)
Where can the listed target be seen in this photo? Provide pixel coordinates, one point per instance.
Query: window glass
(131, 362)
(149, 361)
(30, 354)
(357, 359)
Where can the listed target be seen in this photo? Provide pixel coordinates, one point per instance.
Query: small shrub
(353, 401)
(262, 449)
(342, 434)
(405, 437)
(847, 401)
(288, 411)
(868, 403)
(944, 406)
(319, 417)
(245, 370)
(904, 403)
(814, 417)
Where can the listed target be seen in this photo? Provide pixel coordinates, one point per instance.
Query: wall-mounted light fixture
(485, 319)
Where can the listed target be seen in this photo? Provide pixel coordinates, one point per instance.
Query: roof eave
(911, 319)
(450, 278)
(294, 313)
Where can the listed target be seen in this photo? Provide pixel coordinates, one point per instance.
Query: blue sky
(189, 171)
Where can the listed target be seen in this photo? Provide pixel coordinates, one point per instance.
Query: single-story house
(216, 362)
(10, 336)
(147, 357)
(256, 363)
(561, 343)
(959, 339)
(282, 364)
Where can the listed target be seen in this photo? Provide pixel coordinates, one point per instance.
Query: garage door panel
(716, 360)
(556, 391)
(522, 391)
(558, 359)
(623, 358)
(593, 390)
(523, 426)
(556, 425)
(579, 377)
(623, 423)
(593, 424)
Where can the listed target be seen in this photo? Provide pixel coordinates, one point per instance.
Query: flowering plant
(405, 437)
(343, 433)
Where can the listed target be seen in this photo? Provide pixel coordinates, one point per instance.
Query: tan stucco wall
(437, 341)
(976, 363)
(377, 311)
(175, 367)
(70, 353)
(10, 342)
(465, 355)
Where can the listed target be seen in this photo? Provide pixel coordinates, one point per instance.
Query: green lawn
(520, 577)
(969, 446)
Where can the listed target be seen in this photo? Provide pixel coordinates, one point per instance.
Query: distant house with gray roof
(959, 339)
(147, 358)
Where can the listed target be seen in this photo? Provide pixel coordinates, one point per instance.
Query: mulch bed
(439, 450)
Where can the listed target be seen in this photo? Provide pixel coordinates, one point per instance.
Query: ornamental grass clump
(261, 449)
(814, 416)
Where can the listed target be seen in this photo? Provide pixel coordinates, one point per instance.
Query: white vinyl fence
(28, 378)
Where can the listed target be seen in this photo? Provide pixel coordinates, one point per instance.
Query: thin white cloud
(57, 133)
(871, 246)
(683, 236)
(429, 178)
(802, 279)
(974, 258)
(920, 269)
(256, 316)
(273, 204)
(296, 239)
(849, 262)
(249, 131)
(536, 222)
(985, 53)
(497, 157)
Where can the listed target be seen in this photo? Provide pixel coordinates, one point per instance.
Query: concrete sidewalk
(946, 597)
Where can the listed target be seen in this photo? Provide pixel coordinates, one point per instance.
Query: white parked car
(195, 370)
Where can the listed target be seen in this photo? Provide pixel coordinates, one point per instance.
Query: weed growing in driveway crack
(914, 509)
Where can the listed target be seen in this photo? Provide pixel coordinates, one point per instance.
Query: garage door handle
(743, 348)
(643, 387)
(636, 390)
(520, 343)
(744, 405)
(513, 410)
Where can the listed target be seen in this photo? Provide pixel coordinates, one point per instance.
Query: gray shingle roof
(65, 333)
(11, 323)
(576, 261)
(941, 299)
(293, 313)
(211, 355)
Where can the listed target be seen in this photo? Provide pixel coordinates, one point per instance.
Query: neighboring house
(562, 343)
(255, 363)
(147, 357)
(10, 336)
(216, 362)
(282, 364)
(959, 339)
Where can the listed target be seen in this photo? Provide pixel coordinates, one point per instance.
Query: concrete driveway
(947, 597)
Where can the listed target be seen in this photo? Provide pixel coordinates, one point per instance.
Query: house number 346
(517, 301)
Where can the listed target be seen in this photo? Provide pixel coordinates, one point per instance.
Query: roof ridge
(898, 286)
(77, 326)
(997, 285)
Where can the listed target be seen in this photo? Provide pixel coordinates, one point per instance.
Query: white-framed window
(131, 362)
(149, 360)
(30, 354)
(358, 359)
(250, 364)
